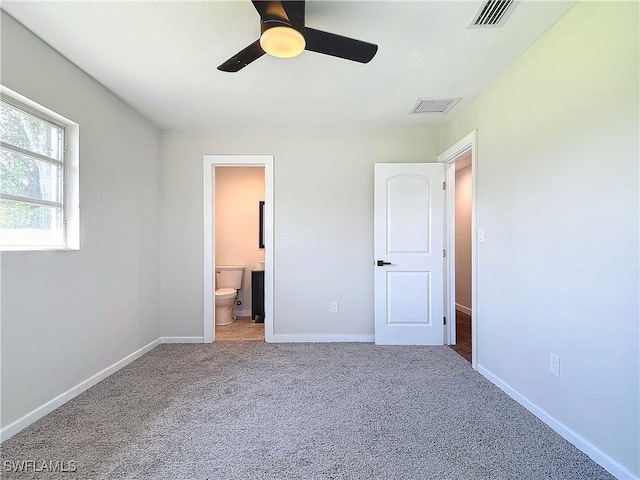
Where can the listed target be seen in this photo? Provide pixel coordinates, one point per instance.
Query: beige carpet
(251, 410)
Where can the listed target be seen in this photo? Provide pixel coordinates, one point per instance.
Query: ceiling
(161, 57)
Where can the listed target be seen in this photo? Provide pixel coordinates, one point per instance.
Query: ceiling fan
(283, 34)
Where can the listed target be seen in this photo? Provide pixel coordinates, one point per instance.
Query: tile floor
(241, 330)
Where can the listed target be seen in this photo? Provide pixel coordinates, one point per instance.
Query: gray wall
(558, 200)
(323, 246)
(67, 315)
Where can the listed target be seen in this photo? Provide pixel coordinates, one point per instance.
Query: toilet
(228, 282)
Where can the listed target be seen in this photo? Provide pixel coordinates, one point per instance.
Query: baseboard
(320, 338)
(242, 313)
(181, 339)
(597, 455)
(463, 309)
(39, 412)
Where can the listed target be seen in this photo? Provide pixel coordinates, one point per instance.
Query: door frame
(468, 144)
(210, 162)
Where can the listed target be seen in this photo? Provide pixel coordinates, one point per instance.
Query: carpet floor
(251, 410)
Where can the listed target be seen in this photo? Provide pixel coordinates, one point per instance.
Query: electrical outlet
(333, 308)
(554, 364)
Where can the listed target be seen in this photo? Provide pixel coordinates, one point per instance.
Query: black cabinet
(257, 295)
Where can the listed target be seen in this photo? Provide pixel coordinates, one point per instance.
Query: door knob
(382, 263)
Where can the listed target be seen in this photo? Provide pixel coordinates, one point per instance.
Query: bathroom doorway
(237, 205)
(238, 220)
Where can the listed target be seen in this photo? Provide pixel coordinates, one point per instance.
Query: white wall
(68, 315)
(238, 191)
(558, 200)
(323, 244)
(463, 237)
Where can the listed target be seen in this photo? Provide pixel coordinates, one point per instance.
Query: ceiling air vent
(492, 13)
(434, 105)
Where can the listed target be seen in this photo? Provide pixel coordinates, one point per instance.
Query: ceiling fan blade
(338, 46)
(270, 10)
(243, 58)
(261, 7)
(295, 12)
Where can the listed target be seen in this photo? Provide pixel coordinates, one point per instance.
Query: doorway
(239, 250)
(462, 268)
(210, 164)
(461, 302)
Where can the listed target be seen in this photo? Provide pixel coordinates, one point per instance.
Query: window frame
(68, 164)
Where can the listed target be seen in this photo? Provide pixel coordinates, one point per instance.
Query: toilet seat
(224, 293)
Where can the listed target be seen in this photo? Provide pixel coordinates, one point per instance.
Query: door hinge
(444, 185)
(445, 320)
(444, 253)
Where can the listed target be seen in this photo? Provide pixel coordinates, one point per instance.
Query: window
(37, 196)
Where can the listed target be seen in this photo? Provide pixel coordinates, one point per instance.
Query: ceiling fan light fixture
(282, 42)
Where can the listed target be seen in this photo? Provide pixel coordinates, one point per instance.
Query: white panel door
(408, 249)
